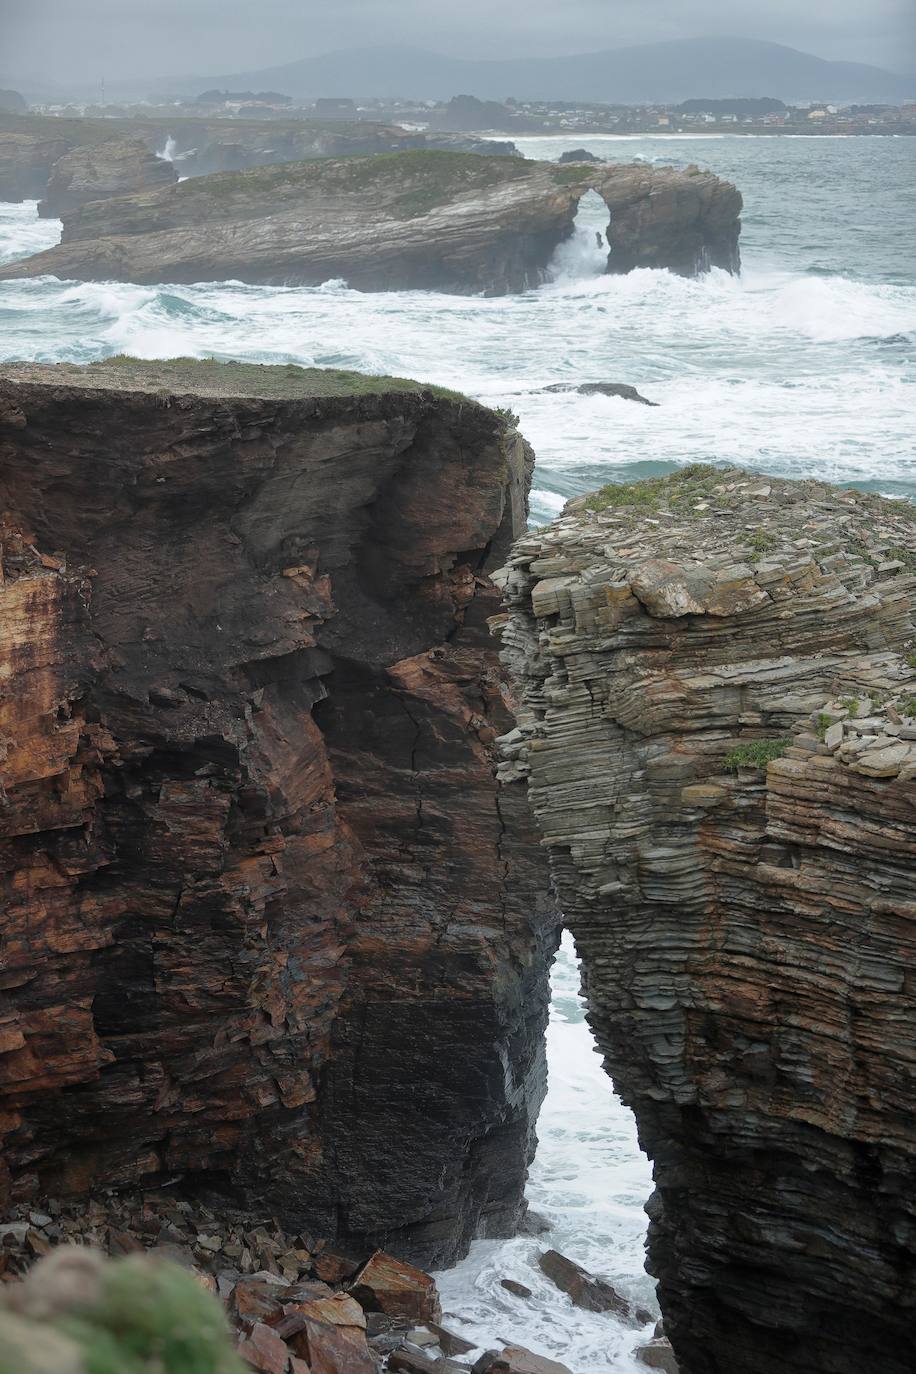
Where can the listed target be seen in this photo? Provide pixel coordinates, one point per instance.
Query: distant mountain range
(652, 72)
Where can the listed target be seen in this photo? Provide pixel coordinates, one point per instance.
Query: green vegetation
(850, 704)
(145, 1317)
(404, 185)
(760, 541)
(909, 707)
(823, 724)
(757, 753)
(678, 490)
(281, 381)
(906, 556)
(573, 173)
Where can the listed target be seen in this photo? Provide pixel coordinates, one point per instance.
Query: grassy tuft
(677, 489)
(756, 753)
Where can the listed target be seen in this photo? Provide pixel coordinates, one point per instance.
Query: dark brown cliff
(718, 727)
(268, 924)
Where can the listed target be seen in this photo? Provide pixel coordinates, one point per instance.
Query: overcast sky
(77, 42)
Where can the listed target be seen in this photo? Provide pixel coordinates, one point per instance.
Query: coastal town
(464, 113)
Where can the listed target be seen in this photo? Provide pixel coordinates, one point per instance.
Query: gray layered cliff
(428, 220)
(267, 921)
(31, 145)
(718, 731)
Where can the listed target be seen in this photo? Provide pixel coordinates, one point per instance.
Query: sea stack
(423, 220)
(718, 728)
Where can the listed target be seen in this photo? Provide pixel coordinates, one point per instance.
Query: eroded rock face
(115, 168)
(418, 220)
(26, 160)
(31, 144)
(261, 895)
(747, 932)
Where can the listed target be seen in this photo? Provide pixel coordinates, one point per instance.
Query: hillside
(668, 72)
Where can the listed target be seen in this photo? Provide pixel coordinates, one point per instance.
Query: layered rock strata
(425, 220)
(118, 167)
(267, 922)
(31, 145)
(718, 729)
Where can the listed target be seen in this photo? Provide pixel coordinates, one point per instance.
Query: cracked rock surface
(718, 729)
(267, 920)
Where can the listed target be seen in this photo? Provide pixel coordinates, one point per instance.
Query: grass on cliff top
(406, 184)
(677, 489)
(210, 376)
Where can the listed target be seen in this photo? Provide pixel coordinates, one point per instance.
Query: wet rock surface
(718, 728)
(585, 1290)
(281, 1317)
(115, 168)
(621, 389)
(268, 921)
(415, 220)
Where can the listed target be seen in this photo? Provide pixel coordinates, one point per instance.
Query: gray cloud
(77, 43)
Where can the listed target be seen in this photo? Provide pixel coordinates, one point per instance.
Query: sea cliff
(268, 922)
(718, 731)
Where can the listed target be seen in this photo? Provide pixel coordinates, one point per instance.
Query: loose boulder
(658, 1355)
(594, 1295)
(385, 1284)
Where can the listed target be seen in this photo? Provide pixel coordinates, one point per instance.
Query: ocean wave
(23, 233)
(590, 1181)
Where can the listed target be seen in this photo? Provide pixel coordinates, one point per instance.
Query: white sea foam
(590, 1181)
(780, 371)
(22, 232)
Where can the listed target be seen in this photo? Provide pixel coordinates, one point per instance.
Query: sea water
(805, 365)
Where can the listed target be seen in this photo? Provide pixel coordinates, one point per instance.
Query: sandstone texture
(268, 923)
(718, 728)
(456, 222)
(30, 145)
(115, 168)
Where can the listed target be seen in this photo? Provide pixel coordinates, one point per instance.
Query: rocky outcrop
(718, 729)
(620, 389)
(268, 924)
(11, 102)
(26, 160)
(30, 145)
(116, 168)
(428, 220)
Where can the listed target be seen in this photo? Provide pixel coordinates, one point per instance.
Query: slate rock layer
(748, 932)
(117, 167)
(267, 920)
(421, 220)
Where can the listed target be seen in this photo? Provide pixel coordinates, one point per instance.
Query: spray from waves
(168, 151)
(584, 254)
(590, 1182)
(23, 233)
